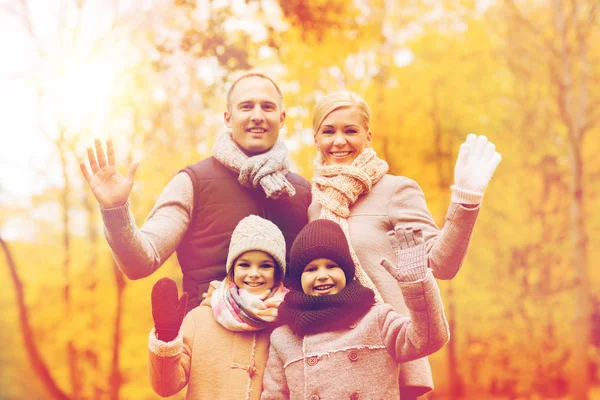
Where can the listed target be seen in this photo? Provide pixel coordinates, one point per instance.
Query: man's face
(255, 116)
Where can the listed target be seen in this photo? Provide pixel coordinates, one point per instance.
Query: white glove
(477, 160)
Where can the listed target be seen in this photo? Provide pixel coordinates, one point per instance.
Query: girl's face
(322, 277)
(254, 271)
(342, 137)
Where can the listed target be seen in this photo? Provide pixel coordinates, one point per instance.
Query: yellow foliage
(469, 71)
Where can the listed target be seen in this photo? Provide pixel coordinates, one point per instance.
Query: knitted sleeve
(275, 385)
(425, 332)
(446, 248)
(140, 252)
(169, 362)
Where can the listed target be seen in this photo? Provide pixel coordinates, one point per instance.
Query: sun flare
(79, 92)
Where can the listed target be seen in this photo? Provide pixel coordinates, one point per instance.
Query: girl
(220, 349)
(336, 342)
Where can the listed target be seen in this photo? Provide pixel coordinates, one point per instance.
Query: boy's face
(254, 271)
(322, 277)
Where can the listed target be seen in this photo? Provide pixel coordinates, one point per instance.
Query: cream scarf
(337, 187)
(267, 169)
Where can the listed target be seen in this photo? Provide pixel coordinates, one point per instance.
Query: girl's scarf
(307, 314)
(238, 310)
(337, 187)
(267, 169)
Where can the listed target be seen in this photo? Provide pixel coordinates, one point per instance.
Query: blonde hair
(340, 99)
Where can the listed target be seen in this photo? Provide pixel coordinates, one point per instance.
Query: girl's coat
(232, 363)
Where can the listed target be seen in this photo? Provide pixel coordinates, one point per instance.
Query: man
(198, 210)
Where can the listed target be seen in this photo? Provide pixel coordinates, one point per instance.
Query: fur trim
(165, 349)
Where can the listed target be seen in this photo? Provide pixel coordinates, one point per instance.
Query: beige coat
(214, 362)
(393, 201)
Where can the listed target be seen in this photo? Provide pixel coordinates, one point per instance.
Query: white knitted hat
(256, 233)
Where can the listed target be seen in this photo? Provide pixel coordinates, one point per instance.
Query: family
(293, 290)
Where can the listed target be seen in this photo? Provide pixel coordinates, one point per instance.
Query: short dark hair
(252, 75)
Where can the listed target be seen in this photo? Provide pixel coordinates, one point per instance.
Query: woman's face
(342, 137)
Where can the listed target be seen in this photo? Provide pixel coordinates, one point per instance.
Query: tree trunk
(115, 379)
(35, 358)
(581, 320)
(443, 162)
(572, 102)
(74, 370)
(91, 355)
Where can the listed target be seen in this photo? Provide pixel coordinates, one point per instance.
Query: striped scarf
(238, 310)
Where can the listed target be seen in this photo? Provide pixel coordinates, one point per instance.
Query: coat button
(353, 356)
(312, 361)
(354, 396)
(314, 397)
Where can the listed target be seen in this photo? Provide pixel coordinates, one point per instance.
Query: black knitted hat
(321, 238)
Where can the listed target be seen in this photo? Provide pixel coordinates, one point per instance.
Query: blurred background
(152, 75)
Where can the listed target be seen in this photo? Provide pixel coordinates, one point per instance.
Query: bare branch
(531, 27)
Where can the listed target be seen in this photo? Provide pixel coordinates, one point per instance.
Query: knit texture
(238, 310)
(267, 169)
(307, 314)
(412, 264)
(337, 187)
(320, 239)
(409, 250)
(256, 233)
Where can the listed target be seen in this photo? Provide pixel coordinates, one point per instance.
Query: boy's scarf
(337, 187)
(267, 169)
(307, 314)
(238, 310)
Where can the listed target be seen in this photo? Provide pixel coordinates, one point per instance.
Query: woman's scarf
(238, 310)
(337, 187)
(307, 314)
(267, 169)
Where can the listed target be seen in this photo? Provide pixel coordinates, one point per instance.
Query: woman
(351, 186)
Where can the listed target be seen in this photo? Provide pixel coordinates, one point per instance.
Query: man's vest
(220, 202)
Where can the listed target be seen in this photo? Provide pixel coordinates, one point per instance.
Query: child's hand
(409, 249)
(264, 294)
(168, 309)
